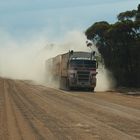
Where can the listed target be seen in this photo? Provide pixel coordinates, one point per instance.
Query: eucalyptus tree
(119, 45)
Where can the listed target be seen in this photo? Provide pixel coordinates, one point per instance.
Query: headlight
(72, 75)
(93, 78)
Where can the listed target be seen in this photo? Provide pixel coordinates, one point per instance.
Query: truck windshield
(83, 63)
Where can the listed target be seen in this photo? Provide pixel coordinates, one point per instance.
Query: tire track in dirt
(38, 113)
(126, 121)
(14, 129)
(28, 112)
(69, 102)
(31, 112)
(3, 114)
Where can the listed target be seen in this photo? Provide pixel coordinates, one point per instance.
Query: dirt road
(31, 112)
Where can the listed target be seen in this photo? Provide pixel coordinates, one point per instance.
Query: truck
(73, 70)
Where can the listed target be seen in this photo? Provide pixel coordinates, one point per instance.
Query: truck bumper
(73, 84)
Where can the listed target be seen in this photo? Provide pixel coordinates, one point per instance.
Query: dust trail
(26, 59)
(105, 80)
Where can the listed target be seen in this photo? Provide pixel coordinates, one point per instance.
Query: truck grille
(83, 76)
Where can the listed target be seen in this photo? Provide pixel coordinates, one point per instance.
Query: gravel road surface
(35, 112)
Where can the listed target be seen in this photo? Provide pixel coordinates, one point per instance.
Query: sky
(56, 17)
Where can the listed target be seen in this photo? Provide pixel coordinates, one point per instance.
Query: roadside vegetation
(119, 45)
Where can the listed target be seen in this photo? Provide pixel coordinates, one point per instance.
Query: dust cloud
(25, 59)
(105, 80)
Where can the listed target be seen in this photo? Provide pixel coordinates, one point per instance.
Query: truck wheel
(62, 83)
(67, 85)
(92, 89)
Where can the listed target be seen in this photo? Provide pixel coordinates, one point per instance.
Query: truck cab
(82, 70)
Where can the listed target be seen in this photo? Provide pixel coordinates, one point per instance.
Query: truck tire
(62, 83)
(91, 89)
(67, 85)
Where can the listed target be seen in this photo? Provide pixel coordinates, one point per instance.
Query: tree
(119, 45)
(127, 15)
(138, 13)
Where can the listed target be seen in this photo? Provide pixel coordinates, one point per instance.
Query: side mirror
(71, 52)
(96, 65)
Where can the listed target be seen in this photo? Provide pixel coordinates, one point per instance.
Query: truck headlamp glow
(72, 75)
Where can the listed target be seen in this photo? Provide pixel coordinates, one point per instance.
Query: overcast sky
(57, 17)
